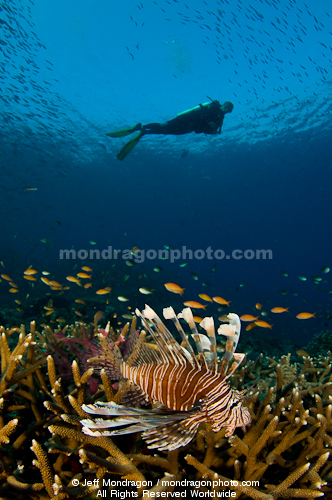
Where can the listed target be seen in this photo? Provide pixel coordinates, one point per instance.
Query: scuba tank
(198, 107)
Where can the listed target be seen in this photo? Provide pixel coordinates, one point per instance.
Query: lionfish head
(239, 416)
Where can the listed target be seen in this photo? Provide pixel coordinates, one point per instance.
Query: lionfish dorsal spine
(148, 315)
(208, 325)
(238, 358)
(134, 356)
(188, 317)
(169, 349)
(232, 333)
(169, 313)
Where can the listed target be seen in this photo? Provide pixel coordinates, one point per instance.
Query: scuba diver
(205, 118)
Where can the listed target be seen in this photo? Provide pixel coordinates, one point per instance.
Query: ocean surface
(72, 71)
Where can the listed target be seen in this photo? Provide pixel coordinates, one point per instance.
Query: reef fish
(248, 317)
(172, 287)
(263, 324)
(189, 390)
(221, 301)
(194, 304)
(305, 315)
(203, 296)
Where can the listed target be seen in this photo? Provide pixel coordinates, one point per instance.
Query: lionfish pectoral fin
(110, 409)
(131, 429)
(99, 423)
(132, 395)
(230, 430)
(89, 432)
(171, 436)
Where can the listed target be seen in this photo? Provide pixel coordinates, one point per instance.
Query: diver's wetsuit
(204, 119)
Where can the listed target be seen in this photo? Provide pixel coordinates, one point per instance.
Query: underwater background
(73, 71)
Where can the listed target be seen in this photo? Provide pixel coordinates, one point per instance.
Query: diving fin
(129, 146)
(125, 131)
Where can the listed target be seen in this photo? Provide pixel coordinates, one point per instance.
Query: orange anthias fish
(279, 310)
(6, 277)
(102, 291)
(55, 284)
(45, 280)
(306, 315)
(248, 317)
(84, 275)
(73, 280)
(29, 278)
(80, 301)
(194, 305)
(263, 324)
(30, 271)
(258, 306)
(203, 296)
(86, 268)
(87, 285)
(221, 301)
(250, 326)
(97, 317)
(172, 287)
(301, 352)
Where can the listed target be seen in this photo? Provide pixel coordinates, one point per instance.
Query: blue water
(72, 71)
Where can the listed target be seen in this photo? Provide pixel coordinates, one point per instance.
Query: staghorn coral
(43, 451)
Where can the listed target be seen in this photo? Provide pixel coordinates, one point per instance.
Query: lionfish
(185, 390)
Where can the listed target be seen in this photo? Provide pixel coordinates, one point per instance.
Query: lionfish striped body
(187, 389)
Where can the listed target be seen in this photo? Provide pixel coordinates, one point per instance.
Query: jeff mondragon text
(194, 492)
(183, 482)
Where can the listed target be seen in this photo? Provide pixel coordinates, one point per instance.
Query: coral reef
(44, 455)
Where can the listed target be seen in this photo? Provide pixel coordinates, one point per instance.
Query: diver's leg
(177, 126)
(154, 128)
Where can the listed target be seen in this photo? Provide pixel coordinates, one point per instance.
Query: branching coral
(45, 455)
